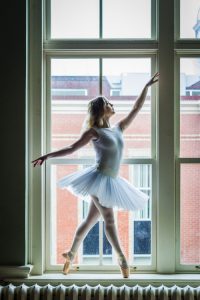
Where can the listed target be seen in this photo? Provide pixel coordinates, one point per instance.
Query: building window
(114, 92)
(68, 92)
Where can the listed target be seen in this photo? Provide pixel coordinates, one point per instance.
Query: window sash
(181, 160)
(55, 267)
(47, 22)
(64, 160)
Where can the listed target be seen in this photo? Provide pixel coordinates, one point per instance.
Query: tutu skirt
(116, 192)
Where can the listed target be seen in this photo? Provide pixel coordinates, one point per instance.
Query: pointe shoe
(124, 268)
(69, 255)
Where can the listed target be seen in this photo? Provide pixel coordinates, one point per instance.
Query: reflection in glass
(190, 19)
(190, 107)
(190, 212)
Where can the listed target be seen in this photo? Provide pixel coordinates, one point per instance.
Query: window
(67, 113)
(142, 220)
(68, 92)
(91, 19)
(84, 54)
(188, 166)
(189, 19)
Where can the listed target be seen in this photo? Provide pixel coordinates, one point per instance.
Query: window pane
(91, 242)
(73, 83)
(128, 77)
(190, 107)
(142, 219)
(67, 211)
(190, 19)
(127, 19)
(142, 240)
(190, 212)
(74, 19)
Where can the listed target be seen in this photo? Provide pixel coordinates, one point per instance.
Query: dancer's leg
(110, 227)
(84, 227)
(112, 236)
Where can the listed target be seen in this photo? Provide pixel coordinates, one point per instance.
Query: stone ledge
(107, 279)
(15, 271)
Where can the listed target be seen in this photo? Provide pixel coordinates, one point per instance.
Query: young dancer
(100, 182)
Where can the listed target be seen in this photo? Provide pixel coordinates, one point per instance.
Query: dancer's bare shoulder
(94, 134)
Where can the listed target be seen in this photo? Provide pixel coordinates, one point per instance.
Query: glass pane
(67, 211)
(127, 19)
(190, 212)
(107, 248)
(142, 237)
(190, 107)
(190, 19)
(73, 83)
(128, 76)
(91, 242)
(74, 19)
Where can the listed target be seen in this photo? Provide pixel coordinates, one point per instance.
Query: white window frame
(66, 160)
(165, 160)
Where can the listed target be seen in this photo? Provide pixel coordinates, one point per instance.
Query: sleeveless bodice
(109, 149)
(101, 179)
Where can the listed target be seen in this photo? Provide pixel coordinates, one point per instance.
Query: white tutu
(111, 192)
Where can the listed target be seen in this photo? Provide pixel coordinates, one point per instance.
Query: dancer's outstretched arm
(82, 141)
(125, 122)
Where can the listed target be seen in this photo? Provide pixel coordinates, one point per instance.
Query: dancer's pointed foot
(69, 256)
(124, 267)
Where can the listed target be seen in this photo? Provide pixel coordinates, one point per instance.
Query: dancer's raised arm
(82, 141)
(125, 122)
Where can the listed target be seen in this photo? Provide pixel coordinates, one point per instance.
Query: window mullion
(36, 143)
(154, 30)
(100, 19)
(165, 146)
(47, 20)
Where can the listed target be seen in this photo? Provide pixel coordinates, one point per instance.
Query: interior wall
(13, 83)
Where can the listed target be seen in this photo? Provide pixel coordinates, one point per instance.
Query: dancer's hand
(39, 160)
(153, 79)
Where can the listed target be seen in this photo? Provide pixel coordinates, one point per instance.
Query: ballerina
(100, 183)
